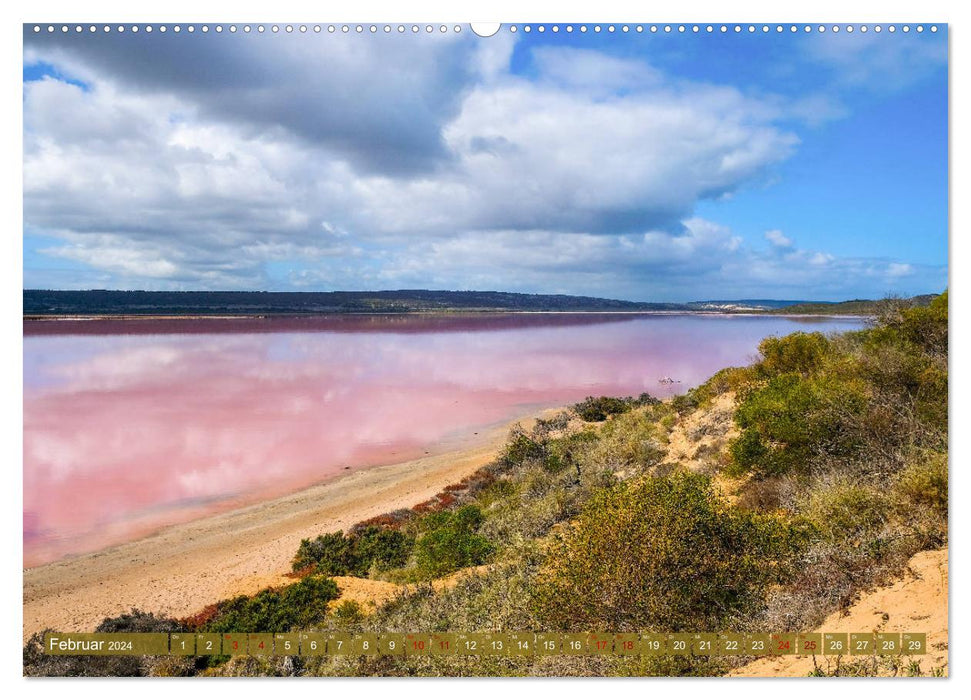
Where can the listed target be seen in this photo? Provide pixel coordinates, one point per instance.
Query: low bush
(595, 409)
(349, 614)
(381, 549)
(355, 554)
(701, 396)
(631, 439)
(923, 484)
(298, 606)
(546, 426)
(845, 510)
(662, 554)
(567, 451)
(449, 541)
(925, 327)
(791, 419)
(684, 404)
(722, 381)
(139, 621)
(796, 353)
(766, 495)
(330, 554)
(921, 494)
(521, 447)
(491, 599)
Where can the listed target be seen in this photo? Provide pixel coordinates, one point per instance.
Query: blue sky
(638, 166)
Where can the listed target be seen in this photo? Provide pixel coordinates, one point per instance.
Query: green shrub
(661, 554)
(348, 614)
(595, 409)
(449, 542)
(923, 326)
(683, 404)
(331, 554)
(924, 483)
(872, 393)
(796, 353)
(633, 438)
(724, 380)
(139, 621)
(495, 597)
(297, 606)
(565, 451)
(790, 419)
(381, 548)
(910, 390)
(520, 448)
(498, 491)
(545, 426)
(337, 554)
(845, 511)
(728, 379)
(557, 460)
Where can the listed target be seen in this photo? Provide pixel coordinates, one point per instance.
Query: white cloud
(594, 72)
(778, 239)
(899, 269)
(881, 62)
(396, 166)
(650, 266)
(332, 93)
(153, 179)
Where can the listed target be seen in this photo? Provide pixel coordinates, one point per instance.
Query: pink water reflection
(130, 426)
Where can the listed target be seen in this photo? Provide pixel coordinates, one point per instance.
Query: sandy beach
(183, 568)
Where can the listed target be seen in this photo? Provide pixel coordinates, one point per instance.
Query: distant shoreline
(104, 304)
(444, 312)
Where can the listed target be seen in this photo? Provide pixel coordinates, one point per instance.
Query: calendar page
(612, 349)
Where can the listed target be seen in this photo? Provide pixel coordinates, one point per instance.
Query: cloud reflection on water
(126, 432)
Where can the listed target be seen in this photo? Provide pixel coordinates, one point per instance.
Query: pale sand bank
(186, 567)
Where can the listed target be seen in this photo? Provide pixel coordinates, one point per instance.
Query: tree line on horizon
(41, 303)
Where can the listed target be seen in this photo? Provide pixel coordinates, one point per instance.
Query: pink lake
(130, 426)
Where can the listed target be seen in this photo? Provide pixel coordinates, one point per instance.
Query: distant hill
(102, 302)
(105, 302)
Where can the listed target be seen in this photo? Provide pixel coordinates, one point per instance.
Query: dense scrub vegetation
(358, 553)
(850, 433)
(298, 606)
(449, 541)
(831, 472)
(599, 408)
(663, 554)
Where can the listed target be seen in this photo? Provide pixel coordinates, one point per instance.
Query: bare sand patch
(371, 593)
(704, 434)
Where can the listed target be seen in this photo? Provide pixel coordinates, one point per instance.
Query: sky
(649, 167)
